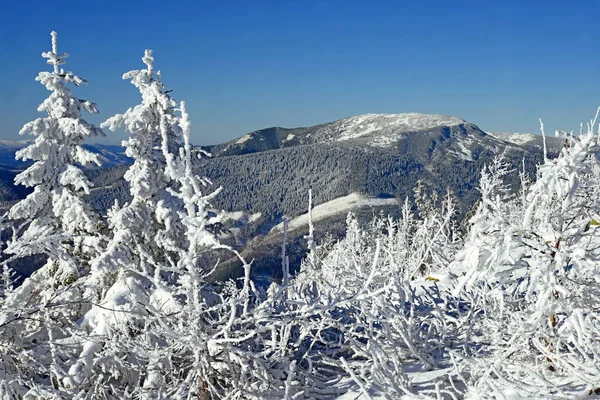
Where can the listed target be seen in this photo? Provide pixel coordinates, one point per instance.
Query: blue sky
(246, 65)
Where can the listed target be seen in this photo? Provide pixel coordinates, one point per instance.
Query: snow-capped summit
(384, 129)
(429, 135)
(362, 125)
(374, 130)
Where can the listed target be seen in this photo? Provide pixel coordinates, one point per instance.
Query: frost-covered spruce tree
(133, 272)
(53, 221)
(156, 326)
(57, 221)
(157, 329)
(143, 229)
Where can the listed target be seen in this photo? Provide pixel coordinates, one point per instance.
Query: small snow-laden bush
(377, 319)
(538, 276)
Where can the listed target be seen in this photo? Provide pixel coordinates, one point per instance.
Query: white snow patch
(289, 137)
(336, 206)
(419, 379)
(236, 216)
(254, 217)
(388, 127)
(17, 144)
(465, 152)
(516, 138)
(244, 139)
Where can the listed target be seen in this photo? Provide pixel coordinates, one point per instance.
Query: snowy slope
(515, 137)
(530, 140)
(334, 207)
(384, 129)
(17, 144)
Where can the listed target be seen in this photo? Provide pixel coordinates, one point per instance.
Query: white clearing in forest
(336, 206)
(465, 152)
(289, 137)
(238, 216)
(254, 217)
(235, 215)
(244, 139)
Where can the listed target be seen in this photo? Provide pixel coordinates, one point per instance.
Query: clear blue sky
(247, 65)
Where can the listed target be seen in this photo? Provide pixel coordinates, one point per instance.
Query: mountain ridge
(382, 129)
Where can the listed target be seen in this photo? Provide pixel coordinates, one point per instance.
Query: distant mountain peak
(409, 121)
(515, 137)
(389, 127)
(15, 144)
(373, 130)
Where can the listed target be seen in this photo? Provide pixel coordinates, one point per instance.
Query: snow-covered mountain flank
(109, 155)
(375, 129)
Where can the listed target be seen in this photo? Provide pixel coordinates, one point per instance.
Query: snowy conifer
(57, 221)
(132, 272)
(53, 221)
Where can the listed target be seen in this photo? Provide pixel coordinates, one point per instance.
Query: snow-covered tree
(143, 229)
(53, 221)
(369, 305)
(158, 329)
(129, 279)
(56, 219)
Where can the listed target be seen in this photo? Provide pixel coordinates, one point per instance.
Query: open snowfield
(334, 207)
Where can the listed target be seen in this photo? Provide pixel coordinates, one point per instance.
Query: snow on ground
(465, 152)
(418, 378)
(238, 215)
(516, 138)
(289, 137)
(254, 217)
(389, 127)
(336, 206)
(235, 215)
(244, 139)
